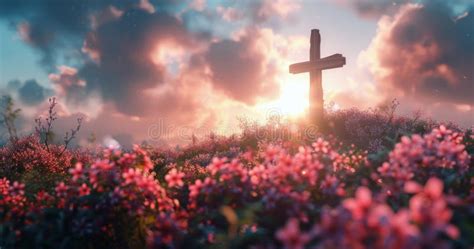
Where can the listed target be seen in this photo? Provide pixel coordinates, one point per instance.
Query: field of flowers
(376, 182)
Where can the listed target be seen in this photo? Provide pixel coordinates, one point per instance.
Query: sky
(162, 70)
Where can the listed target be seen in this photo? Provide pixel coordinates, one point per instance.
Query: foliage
(45, 130)
(8, 116)
(256, 190)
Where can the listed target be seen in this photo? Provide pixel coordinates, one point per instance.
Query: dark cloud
(126, 70)
(49, 25)
(142, 59)
(55, 25)
(426, 52)
(117, 39)
(31, 93)
(241, 68)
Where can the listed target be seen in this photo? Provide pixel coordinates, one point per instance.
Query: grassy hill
(367, 179)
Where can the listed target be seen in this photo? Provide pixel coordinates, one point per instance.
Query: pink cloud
(423, 52)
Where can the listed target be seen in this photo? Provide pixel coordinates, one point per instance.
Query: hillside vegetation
(368, 179)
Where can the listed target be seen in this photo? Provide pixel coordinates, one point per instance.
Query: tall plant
(8, 116)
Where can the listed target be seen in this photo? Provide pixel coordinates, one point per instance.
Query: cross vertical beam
(316, 101)
(315, 66)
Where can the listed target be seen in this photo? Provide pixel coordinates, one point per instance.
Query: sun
(294, 99)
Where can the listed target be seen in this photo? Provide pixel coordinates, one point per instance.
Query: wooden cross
(314, 66)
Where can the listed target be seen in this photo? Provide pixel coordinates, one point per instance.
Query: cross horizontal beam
(333, 61)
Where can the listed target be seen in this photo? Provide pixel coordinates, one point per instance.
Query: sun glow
(294, 99)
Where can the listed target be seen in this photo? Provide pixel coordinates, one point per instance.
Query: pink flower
(61, 189)
(216, 165)
(211, 237)
(77, 172)
(291, 236)
(321, 146)
(360, 204)
(84, 190)
(130, 175)
(174, 178)
(442, 131)
(384, 169)
(18, 188)
(42, 199)
(430, 210)
(434, 188)
(195, 189)
(423, 156)
(4, 186)
(271, 152)
(412, 187)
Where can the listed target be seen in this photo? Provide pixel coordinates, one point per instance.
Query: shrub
(227, 193)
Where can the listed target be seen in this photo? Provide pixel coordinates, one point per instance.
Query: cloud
(132, 62)
(374, 9)
(13, 85)
(52, 26)
(425, 52)
(47, 27)
(32, 93)
(118, 40)
(126, 70)
(67, 81)
(268, 9)
(241, 68)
